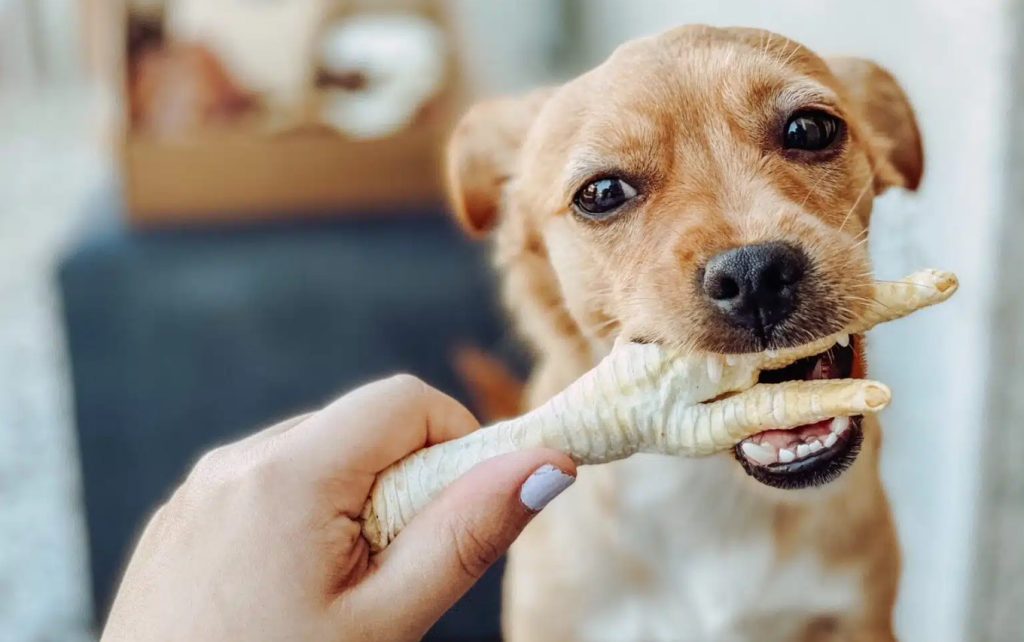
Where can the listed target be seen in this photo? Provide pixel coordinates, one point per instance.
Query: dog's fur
(655, 548)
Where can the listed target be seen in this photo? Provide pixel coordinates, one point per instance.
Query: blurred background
(219, 213)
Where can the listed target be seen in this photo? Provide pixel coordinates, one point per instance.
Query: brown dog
(709, 188)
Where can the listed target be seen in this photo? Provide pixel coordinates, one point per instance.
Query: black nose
(755, 285)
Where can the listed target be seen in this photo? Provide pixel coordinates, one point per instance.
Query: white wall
(952, 58)
(509, 45)
(59, 31)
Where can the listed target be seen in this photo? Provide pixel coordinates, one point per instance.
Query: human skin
(262, 540)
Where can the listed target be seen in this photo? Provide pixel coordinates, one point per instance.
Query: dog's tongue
(823, 366)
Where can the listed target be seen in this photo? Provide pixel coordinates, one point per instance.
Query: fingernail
(545, 484)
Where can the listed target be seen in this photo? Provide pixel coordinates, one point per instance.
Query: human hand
(262, 540)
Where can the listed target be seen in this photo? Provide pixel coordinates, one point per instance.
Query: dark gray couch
(183, 339)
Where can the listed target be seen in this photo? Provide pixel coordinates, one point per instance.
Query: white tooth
(786, 455)
(843, 340)
(815, 446)
(840, 424)
(771, 354)
(730, 360)
(714, 368)
(758, 453)
(803, 450)
(831, 440)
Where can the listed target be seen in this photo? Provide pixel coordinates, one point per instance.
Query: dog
(709, 189)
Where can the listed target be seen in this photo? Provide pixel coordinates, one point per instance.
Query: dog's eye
(811, 131)
(600, 199)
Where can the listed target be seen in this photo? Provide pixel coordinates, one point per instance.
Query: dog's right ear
(483, 154)
(897, 138)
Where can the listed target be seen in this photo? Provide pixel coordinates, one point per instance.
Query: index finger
(372, 427)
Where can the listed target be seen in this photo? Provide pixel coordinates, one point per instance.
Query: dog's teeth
(786, 455)
(843, 340)
(815, 446)
(831, 440)
(803, 450)
(758, 453)
(839, 425)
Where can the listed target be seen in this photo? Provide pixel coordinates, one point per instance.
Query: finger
(450, 544)
(720, 425)
(374, 426)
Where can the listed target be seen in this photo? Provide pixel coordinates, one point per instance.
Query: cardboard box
(238, 176)
(248, 170)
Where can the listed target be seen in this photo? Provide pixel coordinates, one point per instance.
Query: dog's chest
(697, 559)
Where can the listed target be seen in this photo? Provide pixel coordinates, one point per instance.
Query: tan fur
(495, 391)
(655, 548)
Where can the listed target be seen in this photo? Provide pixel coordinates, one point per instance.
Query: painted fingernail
(545, 484)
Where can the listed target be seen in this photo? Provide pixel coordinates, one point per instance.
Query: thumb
(450, 544)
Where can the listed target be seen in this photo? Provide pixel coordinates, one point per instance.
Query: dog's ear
(895, 138)
(483, 154)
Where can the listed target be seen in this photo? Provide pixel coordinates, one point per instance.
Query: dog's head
(705, 188)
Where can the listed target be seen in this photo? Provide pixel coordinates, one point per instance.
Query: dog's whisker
(767, 45)
(916, 285)
(861, 233)
(867, 300)
(859, 243)
(846, 219)
(861, 299)
(789, 58)
(817, 182)
(605, 325)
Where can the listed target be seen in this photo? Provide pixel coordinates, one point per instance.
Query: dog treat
(643, 398)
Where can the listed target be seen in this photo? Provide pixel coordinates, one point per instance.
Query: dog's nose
(755, 285)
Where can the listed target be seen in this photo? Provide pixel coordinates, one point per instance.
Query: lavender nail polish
(546, 483)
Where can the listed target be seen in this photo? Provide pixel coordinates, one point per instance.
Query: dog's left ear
(895, 140)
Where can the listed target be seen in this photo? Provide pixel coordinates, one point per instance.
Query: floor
(49, 166)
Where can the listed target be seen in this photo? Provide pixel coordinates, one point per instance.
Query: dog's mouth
(810, 455)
